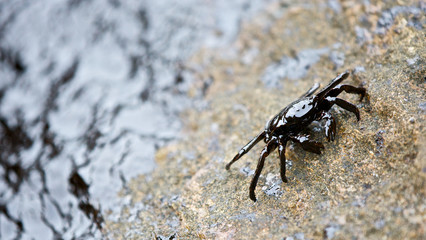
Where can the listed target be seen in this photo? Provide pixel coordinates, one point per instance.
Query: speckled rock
(367, 184)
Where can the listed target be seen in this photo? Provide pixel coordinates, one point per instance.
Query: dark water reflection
(88, 91)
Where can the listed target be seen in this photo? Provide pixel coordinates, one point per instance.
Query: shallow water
(89, 90)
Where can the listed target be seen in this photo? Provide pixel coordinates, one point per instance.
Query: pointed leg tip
(283, 177)
(253, 197)
(345, 74)
(363, 94)
(328, 136)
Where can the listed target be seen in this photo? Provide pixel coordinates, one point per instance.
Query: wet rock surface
(89, 90)
(368, 183)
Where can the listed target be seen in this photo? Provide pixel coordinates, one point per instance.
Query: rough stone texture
(368, 183)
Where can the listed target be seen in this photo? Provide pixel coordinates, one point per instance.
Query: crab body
(291, 121)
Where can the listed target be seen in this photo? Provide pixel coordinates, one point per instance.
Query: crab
(291, 122)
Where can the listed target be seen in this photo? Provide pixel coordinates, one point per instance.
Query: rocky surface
(368, 183)
(89, 90)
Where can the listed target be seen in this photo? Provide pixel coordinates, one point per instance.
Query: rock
(368, 183)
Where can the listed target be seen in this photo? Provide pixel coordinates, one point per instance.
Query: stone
(368, 183)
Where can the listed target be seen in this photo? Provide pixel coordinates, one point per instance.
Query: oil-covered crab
(289, 123)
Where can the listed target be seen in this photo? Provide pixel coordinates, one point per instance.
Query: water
(89, 90)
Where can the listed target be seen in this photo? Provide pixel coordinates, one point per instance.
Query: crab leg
(246, 148)
(330, 125)
(345, 105)
(265, 152)
(311, 90)
(281, 151)
(347, 88)
(332, 84)
(308, 145)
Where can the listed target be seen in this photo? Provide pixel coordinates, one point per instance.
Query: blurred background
(89, 90)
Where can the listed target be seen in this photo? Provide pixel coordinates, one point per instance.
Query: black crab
(290, 122)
